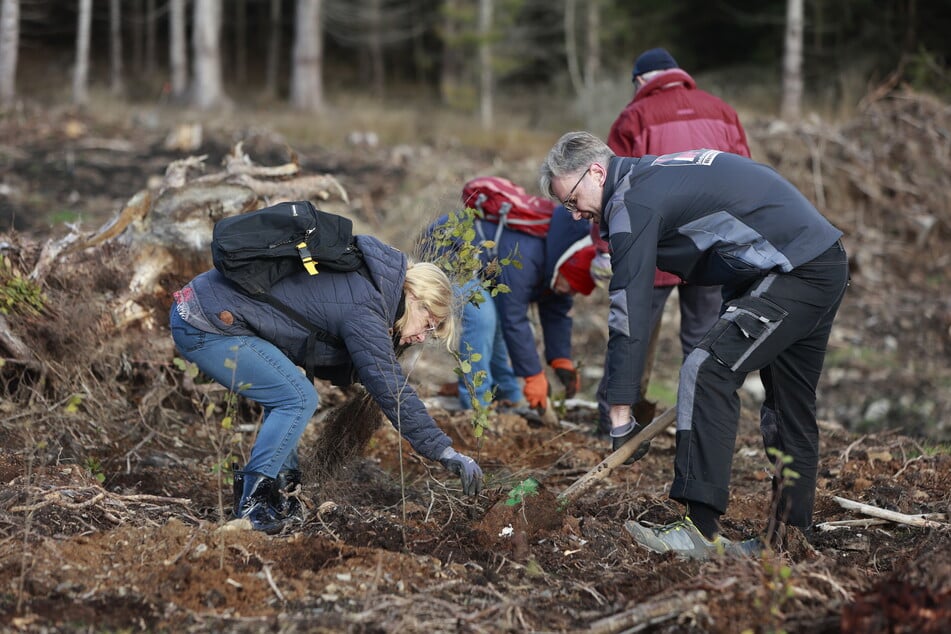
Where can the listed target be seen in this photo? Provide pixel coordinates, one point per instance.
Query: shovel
(606, 466)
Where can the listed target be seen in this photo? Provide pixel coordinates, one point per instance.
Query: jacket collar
(673, 78)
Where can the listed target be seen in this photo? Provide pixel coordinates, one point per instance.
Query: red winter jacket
(670, 114)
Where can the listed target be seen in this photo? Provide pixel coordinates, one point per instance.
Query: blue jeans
(255, 368)
(482, 330)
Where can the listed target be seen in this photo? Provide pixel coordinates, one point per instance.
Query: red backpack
(500, 201)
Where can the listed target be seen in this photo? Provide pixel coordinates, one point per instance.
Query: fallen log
(606, 466)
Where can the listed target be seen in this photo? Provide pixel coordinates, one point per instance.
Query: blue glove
(620, 435)
(464, 467)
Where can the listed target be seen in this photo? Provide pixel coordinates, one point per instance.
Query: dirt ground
(113, 516)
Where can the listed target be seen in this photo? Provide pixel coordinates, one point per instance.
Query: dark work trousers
(779, 325)
(699, 306)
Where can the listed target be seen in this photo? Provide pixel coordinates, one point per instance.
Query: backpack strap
(504, 210)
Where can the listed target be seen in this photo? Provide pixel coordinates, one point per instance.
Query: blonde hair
(430, 285)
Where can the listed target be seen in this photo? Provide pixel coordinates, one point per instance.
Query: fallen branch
(12, 342)
(892, 516)
(647, 614)
(61, 497)
(617, 458)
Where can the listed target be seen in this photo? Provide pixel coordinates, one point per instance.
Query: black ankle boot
(286, 495)
(255, 503)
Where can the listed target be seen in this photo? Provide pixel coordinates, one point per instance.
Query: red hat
(576, 269)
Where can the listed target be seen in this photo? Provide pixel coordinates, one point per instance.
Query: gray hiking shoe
(682, 537)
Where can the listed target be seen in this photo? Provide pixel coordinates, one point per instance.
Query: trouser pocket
(745, 324)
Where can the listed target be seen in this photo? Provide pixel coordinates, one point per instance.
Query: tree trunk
(307, 91)
(273, 50)
(592, 57)
(81, 70)
(240, 41)
(115, 47)
(178, 56)
(137, 27)
(207, 91)
(485, 64)
(9, 45)
(792, 62)
(150, 37)
(449, 67)
(377, 72)
(571, 47)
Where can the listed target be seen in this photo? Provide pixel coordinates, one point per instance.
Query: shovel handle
(606, 466)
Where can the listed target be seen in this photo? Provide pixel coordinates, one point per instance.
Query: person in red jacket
(670, 114)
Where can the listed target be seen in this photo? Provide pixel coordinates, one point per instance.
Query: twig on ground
(270, 581)
(892, 516)
(650, 613)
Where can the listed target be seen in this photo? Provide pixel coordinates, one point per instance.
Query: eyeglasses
(571, 204)
(432, 326)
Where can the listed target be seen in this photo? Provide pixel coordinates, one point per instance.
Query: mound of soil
(115, 511)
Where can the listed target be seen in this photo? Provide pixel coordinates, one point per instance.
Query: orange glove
(536, 390)
(568, 375)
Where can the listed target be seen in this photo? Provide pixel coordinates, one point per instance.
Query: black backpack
(257, 249)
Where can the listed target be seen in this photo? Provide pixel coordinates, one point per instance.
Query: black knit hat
(654, 59)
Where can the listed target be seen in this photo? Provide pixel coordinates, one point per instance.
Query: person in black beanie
(669, 113)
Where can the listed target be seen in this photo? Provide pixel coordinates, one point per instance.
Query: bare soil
(114, 513)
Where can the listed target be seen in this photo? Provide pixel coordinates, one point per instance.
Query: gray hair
(573, 152)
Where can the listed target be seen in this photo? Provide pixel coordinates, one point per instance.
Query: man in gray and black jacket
(712, 218)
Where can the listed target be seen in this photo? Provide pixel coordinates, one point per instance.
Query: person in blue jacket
(255, 349)
(552, 269)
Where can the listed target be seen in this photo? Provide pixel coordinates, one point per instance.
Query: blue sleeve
(371, 349)
(554, 314)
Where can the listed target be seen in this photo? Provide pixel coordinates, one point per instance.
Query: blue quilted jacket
(349, 306)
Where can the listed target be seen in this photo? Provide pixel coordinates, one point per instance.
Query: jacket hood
(662, 82)
(387, 267)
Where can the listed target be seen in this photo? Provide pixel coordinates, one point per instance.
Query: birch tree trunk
(115, 47)
(571, 47)
(307, 89)
(486, 96)
(240, 9)
(9, 45)
(150, 37)
(273, 50)
(449, 67)
(177, 52)
(137, 27)
(207, 88)
(792, 62)
(592, 58)
(377, 27)
(81, 70)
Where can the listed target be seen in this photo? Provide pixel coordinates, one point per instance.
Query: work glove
(620, 435)
(568, 375)
(601, 270)
(536, 391)
(465, 467)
